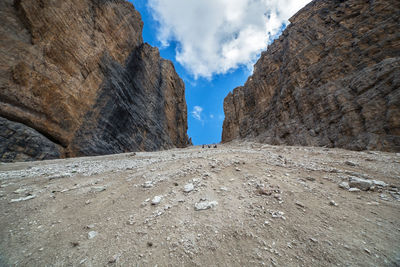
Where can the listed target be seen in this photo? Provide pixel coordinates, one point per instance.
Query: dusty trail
(266, 205)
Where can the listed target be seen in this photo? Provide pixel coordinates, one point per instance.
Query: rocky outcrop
(331, 79)
(76, 79)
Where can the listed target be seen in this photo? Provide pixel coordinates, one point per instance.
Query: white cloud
(215, 36)
(211, 116)
(196, 113)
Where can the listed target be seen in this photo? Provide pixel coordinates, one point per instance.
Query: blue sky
(213, 45)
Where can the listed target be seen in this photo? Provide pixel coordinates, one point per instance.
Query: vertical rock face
(331, 79)
(76, 79)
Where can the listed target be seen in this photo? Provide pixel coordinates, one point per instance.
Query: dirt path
(266, 205)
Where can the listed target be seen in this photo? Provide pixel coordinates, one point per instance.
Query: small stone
(349, 163)
(98, 189)
(19, 190)
(300, 204)
(114, 258)
(148, 184)
(156, 200)
(367, 250)
(90, 226)
(354, 189)
(238, 170)
(188, 188)
(277, 214)
(92, 234)
(384, 197)
(22, 198)
(344, 185)
(314, 240)
(332, 203)
(312, 179)
(75, 244)
(379, 183)
(205, 205)
(131, 220)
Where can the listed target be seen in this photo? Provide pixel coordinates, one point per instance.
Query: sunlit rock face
(76, 79)
(331, 79)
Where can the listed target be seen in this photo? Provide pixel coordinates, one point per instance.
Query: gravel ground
(241, 204)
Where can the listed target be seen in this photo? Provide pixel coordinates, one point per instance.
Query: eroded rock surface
(331, 79)
(78, 75)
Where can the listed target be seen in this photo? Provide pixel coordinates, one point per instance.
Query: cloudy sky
(214, 45)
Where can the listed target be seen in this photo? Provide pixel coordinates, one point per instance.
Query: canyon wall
(331, 79)
(76, 79)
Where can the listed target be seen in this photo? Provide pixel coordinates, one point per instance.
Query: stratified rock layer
(76, 79)
(332, 79)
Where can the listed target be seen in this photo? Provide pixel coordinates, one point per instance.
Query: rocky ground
(241, 204)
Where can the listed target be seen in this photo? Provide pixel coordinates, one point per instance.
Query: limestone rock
(331, 79)
(205, 205)
(76, 79)
(360, 183)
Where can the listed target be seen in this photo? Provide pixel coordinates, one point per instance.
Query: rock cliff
(76, 79)
(331, 79)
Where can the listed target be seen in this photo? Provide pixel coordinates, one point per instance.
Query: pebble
(332, 203)
(204, 205)
(148, 184)
(379, 183)
(344, 185)
(19, 190)
(114, 258)
(90, 226)
(156, 200)
(353, 189)
(349, 163)
(300, 204)
(92, 234)
(277, 214)
(98, 189)
(188, 188)
(22, 198)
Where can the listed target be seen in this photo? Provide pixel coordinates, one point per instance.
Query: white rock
(22, 198)
(148, 184)
(359, 183)
(98, 189)
(344, 185)
(156, 200)
(332, 203)
(379, 183)
(205, 205)
(92, 234)
(188, 188)
(19, 190)
(353, 189)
